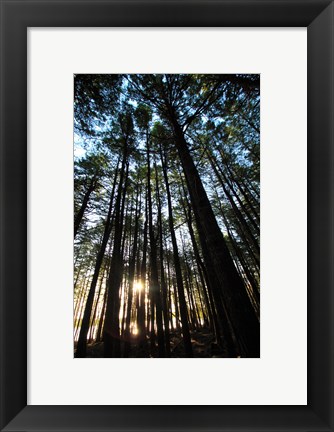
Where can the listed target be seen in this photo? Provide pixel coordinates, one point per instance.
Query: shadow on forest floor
(202, 340)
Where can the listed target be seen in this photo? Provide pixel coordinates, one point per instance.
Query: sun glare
(138, 286)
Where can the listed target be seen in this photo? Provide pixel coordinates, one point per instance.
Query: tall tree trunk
(111, 336)
(177, 265)
(170, 312)
(162, 270)
(224, 331)
(254, 256)
(246, 194)
(245, 267)
(82, 343)
(141, 303)
(91, 331)
(124, 291)
(202, 274)
(245, 227)
(241, 315)
(79, 215)
(156, 304)
(224, 180)
(132, 265)
(101, 319)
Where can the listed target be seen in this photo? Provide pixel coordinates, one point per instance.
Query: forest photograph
(166, 216)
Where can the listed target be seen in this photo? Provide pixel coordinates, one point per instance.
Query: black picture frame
(16, 17)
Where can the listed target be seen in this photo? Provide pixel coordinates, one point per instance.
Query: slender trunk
(162, 270)
(188, 285)
(156, 306)
(243, 223)
(246, 194)
(111, 323)
(79, 308)
(241, 315)
(82, 343)
(241, 204)
(177, 265)
(247, 271)
(132, 265)
(250, 187)
(80, 292)
(99, 334)
(177, 309)
(101, 320)
(141, 305)
(224, 331)
(203, 275)
(125, 292)
(78, 273)
(204, 310)
(253, 256)
(79, 315)
(91, 332)
(79, 215)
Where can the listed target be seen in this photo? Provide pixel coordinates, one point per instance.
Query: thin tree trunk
(156, 305)
(79, 215)
(246, 194)
(111, 323)
(141, 309)
(132, 264)
(177, 265)
(101, 320)
(241, 316)
(91, 332)
(82, 343)
(243, 223)
(162, 270)
(203, 275)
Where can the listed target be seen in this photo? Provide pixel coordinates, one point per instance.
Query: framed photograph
(163, 104)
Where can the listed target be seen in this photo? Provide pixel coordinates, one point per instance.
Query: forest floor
(202, 340)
